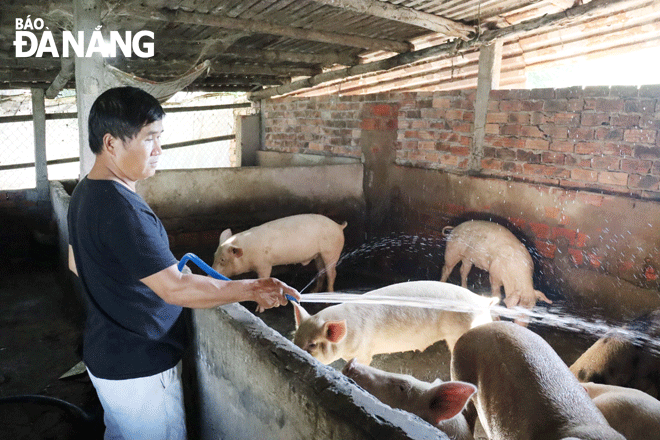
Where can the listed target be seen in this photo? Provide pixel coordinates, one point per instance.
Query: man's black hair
(122, 112)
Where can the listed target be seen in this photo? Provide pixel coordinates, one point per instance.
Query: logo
(28, 44)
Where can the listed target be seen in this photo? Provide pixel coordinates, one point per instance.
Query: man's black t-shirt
(117, 240)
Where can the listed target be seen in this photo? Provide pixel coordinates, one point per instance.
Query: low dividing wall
(255, 384)
(196, 205)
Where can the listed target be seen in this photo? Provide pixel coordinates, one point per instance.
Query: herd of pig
(502, 373)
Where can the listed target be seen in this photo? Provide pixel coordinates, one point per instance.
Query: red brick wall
(598, 138)
(588, 158)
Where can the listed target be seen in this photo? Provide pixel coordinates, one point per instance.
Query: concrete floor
(39, 341)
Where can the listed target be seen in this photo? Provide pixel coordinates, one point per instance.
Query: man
(134, 334)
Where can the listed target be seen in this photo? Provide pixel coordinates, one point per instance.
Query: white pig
(633, 413)
(439, 403)
(288, 240)
(493, 248)
(625, 357)
(524, 390)
(352, 330)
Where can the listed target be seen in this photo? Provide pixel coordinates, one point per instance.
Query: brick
(581, 239)
(644, 182)
(608, 134)
(640, 135)
(568, 234)
(563, 146)
(537, 144)
(642, 152)
(545, 249)
(541, 231)
(552, 213)
(555, 105)
(531, 131)
(519, 118)
(577, 257)
(518, 222)
(581, 133)
(584, 175)
(636, 166)
(604, 104)
(565, 118)
(528, 157)
(624, 120)
(491, 164)
(511, 130)
(441, 102)
(555, 131)
(553, 158)
(612, 178)
(640, 106)
(649, 121)
(605, 163)
(592, 119)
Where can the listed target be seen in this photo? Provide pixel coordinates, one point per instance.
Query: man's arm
(202, 292)
(72, 262)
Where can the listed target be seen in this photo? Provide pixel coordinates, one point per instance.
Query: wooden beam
(455, 47)
(406, 15)
(488, 78)
(276, 56)
(263, 28)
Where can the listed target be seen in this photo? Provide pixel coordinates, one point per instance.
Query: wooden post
(39, 123)
(490, 60)
(90, 82)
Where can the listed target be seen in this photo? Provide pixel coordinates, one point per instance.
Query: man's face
(137, 158)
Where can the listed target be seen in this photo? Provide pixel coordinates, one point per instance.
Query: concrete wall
(252, 383)
(195, 206)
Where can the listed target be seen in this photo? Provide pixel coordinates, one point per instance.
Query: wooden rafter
(276, 56)
(406, 15)
(262, 27)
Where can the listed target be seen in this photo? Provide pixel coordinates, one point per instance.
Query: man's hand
(271, 292)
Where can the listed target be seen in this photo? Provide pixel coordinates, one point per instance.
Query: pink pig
(631, 412)
(288, 240)
(439, 403)
(492, 247)
(524, 390)
(353, 330)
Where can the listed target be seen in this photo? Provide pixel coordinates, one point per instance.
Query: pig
(288, 240)
(352, 330)
(524, 390)
(439, 403)
(627, 357)
(631, 412)
(493, 248)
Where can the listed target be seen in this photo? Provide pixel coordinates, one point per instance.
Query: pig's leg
(495, 285)
(323, 272)
(264, 271)
(466, 266)
(330, 260)
(450, 262)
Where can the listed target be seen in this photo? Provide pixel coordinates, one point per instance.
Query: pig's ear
(299, 314)
(225, 235)
(335, 331)
(236, 251)
(448, 399)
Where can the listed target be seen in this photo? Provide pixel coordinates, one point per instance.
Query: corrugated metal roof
(262, 43)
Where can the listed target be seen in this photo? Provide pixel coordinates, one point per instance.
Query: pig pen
(243, 377)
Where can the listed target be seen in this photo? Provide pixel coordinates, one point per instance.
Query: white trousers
(144, 408)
